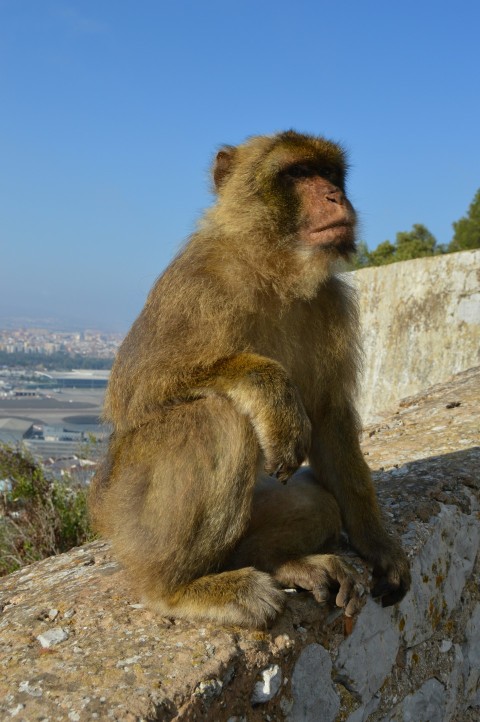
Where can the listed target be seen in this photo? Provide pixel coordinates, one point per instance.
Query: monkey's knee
(287, 522)
(323, 513)
(330, 521)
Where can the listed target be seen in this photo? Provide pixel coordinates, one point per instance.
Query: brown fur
(245, 358)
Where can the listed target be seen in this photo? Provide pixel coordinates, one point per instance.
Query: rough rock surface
(76, 644)
(421, 323)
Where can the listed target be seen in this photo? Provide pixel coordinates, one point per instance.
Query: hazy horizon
(112, 113)
(59, 323)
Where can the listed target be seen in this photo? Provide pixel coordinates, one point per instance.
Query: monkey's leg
(289, 528)
(178, 501)
(337, 460)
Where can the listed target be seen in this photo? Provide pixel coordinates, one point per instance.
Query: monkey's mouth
(329, 234)
(338, 238)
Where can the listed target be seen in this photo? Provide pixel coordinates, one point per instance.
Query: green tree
(417, 243)
(467, 229)
(361, 258)
(384, 253)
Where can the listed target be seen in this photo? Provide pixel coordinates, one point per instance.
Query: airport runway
(75, 406)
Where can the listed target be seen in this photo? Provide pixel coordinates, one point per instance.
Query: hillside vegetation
(39, 515)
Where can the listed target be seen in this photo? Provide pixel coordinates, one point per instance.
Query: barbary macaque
(242, 366)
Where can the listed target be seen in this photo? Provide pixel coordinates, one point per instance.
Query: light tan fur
(244, 363)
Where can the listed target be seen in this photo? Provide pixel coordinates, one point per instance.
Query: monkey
(238, 376)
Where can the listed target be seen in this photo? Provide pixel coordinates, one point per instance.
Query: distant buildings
(53, 440)
(40, 340)
(81, 379)
(54, 414)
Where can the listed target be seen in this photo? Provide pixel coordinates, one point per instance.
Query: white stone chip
(33, 691)
(268, 686)
(52, 637)
(128, 661)
(16, 710)
(209, 689)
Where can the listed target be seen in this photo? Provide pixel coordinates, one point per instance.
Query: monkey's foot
(324, 575)
(244, 597)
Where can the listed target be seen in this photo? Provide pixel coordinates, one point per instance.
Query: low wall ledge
(76, 644)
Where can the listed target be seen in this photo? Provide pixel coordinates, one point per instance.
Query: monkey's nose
(335, 196)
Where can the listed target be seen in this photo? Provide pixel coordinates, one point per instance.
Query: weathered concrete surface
(421, 323)
(75, 644)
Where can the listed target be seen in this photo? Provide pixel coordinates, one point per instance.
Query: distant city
(52, 408)
(44, 341)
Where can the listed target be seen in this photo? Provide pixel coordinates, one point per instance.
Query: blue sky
(111, 111)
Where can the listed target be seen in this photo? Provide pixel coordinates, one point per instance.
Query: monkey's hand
(391, 570)
(391, 574)
(260, 388)
(287, 440)
(285, 452)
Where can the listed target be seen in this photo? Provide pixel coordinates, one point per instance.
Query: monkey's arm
(338, 461)
(261, 389)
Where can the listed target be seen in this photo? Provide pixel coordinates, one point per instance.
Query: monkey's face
(288, 189)
(326, 218)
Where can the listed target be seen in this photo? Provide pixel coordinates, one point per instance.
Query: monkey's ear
(223, 165)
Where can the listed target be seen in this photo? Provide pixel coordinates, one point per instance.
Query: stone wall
(421, 323)
(76, 643)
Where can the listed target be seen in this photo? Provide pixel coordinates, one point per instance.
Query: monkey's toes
(349, 596)
(340, 581)
(326, 576)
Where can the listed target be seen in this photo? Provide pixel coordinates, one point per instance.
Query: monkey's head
(287, 191)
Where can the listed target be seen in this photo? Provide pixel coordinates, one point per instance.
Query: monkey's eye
(300, 170)
(330, 174)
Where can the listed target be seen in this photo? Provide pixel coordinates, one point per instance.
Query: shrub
(39, 515)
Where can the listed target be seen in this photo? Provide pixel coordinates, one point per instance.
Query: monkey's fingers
(283, 470)
(282, 474)
(287, 451)
(391, 585)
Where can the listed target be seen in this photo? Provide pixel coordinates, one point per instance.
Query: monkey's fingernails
(352, 607)
(281, 475)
